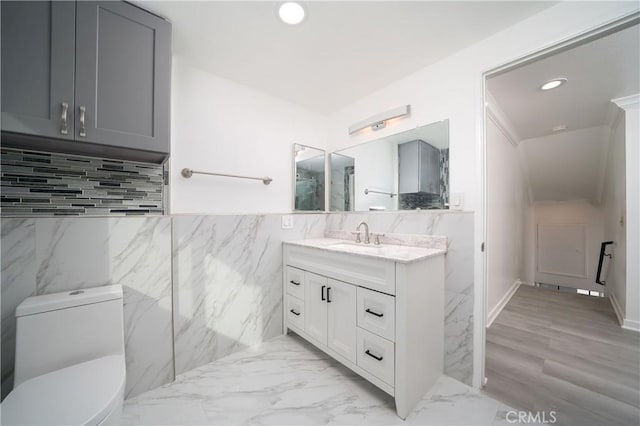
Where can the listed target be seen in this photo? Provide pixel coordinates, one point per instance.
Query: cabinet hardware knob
(294, 282)
(379, 358)
(294, 312)
(83, 127)
(322, 292)
(369, 311)
(64, 129)
(328, 295)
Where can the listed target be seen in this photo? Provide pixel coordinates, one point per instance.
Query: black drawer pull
(294, 312)
(322, 292)
(294, 282)
(328, 295)
(379, 358)
(369, 311)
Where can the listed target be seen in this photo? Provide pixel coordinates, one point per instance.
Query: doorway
(555, 148)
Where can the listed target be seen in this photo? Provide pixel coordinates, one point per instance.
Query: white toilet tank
(59, 330)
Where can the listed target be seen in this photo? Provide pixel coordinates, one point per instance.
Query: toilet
(70, 367)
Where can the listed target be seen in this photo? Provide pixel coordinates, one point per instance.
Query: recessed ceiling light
(291, 13)
(559, 128)
(552, 84)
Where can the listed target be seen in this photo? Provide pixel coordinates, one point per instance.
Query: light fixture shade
(291, 13)
(552, 84)
(377, 121)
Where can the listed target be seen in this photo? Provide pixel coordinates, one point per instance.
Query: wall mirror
(405, 171)
(308, 166)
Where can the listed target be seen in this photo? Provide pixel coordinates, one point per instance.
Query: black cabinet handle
(379, 358)
(322, 292)
(369, 311)
(328, 295)
(294, 282)
(294, 312)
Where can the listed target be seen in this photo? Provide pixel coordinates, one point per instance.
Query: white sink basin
(356, 247)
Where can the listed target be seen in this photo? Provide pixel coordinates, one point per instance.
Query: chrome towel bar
(187, 173)
(391, 194)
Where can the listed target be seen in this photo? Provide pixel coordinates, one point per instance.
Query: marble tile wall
(458, 228)
(227, 277)
(48, 255)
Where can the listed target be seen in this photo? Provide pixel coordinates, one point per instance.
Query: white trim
(624, 323)
(631, 325)
(628, 102)
(616, 308)
(493, 314)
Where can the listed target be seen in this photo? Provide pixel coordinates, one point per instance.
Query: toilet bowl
(70, 367)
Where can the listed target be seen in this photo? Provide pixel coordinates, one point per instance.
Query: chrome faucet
(366, 232)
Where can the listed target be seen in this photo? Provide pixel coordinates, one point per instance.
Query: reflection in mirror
(405, 171)
(342, 182)
(309, 178)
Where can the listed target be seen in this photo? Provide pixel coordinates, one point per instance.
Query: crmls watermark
(528, 417)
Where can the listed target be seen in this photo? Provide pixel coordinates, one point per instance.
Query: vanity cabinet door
(315, 306)
(341, 317)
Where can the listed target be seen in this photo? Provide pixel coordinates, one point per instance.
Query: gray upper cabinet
(419, 168)
(38, 64)
(106, 64)
(123, 63)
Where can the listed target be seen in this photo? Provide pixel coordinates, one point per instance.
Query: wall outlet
(287, 221)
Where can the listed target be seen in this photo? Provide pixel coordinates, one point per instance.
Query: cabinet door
(341, 313)
(429, 169)
(409, 167)
(123, 64)
(315, 321)
(38, 42)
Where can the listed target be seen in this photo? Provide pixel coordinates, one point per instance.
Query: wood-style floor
(565, 352)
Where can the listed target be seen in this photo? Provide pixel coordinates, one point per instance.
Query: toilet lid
(78, 395)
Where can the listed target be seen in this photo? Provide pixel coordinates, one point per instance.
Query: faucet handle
(377, 240)
(357, 234)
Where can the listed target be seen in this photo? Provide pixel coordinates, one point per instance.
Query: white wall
(507, 205)
(220, 126)
(614, 210)
(572, 212)
(375, 169)
(453, 89)
(631, 106)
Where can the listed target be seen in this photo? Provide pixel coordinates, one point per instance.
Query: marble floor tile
(286, 381)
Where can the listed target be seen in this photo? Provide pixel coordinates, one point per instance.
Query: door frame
(593, 33)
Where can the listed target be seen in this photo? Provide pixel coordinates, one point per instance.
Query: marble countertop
(393, 252)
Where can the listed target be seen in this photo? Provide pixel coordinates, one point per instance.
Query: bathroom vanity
(376, 309)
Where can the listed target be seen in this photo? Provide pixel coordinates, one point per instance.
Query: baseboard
(631, 325)
(502, 303)
(624, 323)
(616, 308)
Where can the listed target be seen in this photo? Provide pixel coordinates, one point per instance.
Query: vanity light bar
(377, 122)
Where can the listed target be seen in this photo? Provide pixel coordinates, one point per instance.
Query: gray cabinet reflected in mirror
(309, 169)
(405, 171)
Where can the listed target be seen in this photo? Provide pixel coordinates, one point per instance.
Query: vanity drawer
(295, 312)
(377, 313)
(376, 355)
(294, 280)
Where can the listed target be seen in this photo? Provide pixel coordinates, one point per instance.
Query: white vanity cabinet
(381, 317)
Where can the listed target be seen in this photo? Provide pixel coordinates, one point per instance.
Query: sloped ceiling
(569, 165)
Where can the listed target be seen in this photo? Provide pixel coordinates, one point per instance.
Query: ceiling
(568, 165)
(341, 52)
(597, 72)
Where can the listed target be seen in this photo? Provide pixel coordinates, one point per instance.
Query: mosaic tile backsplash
(47, 184)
